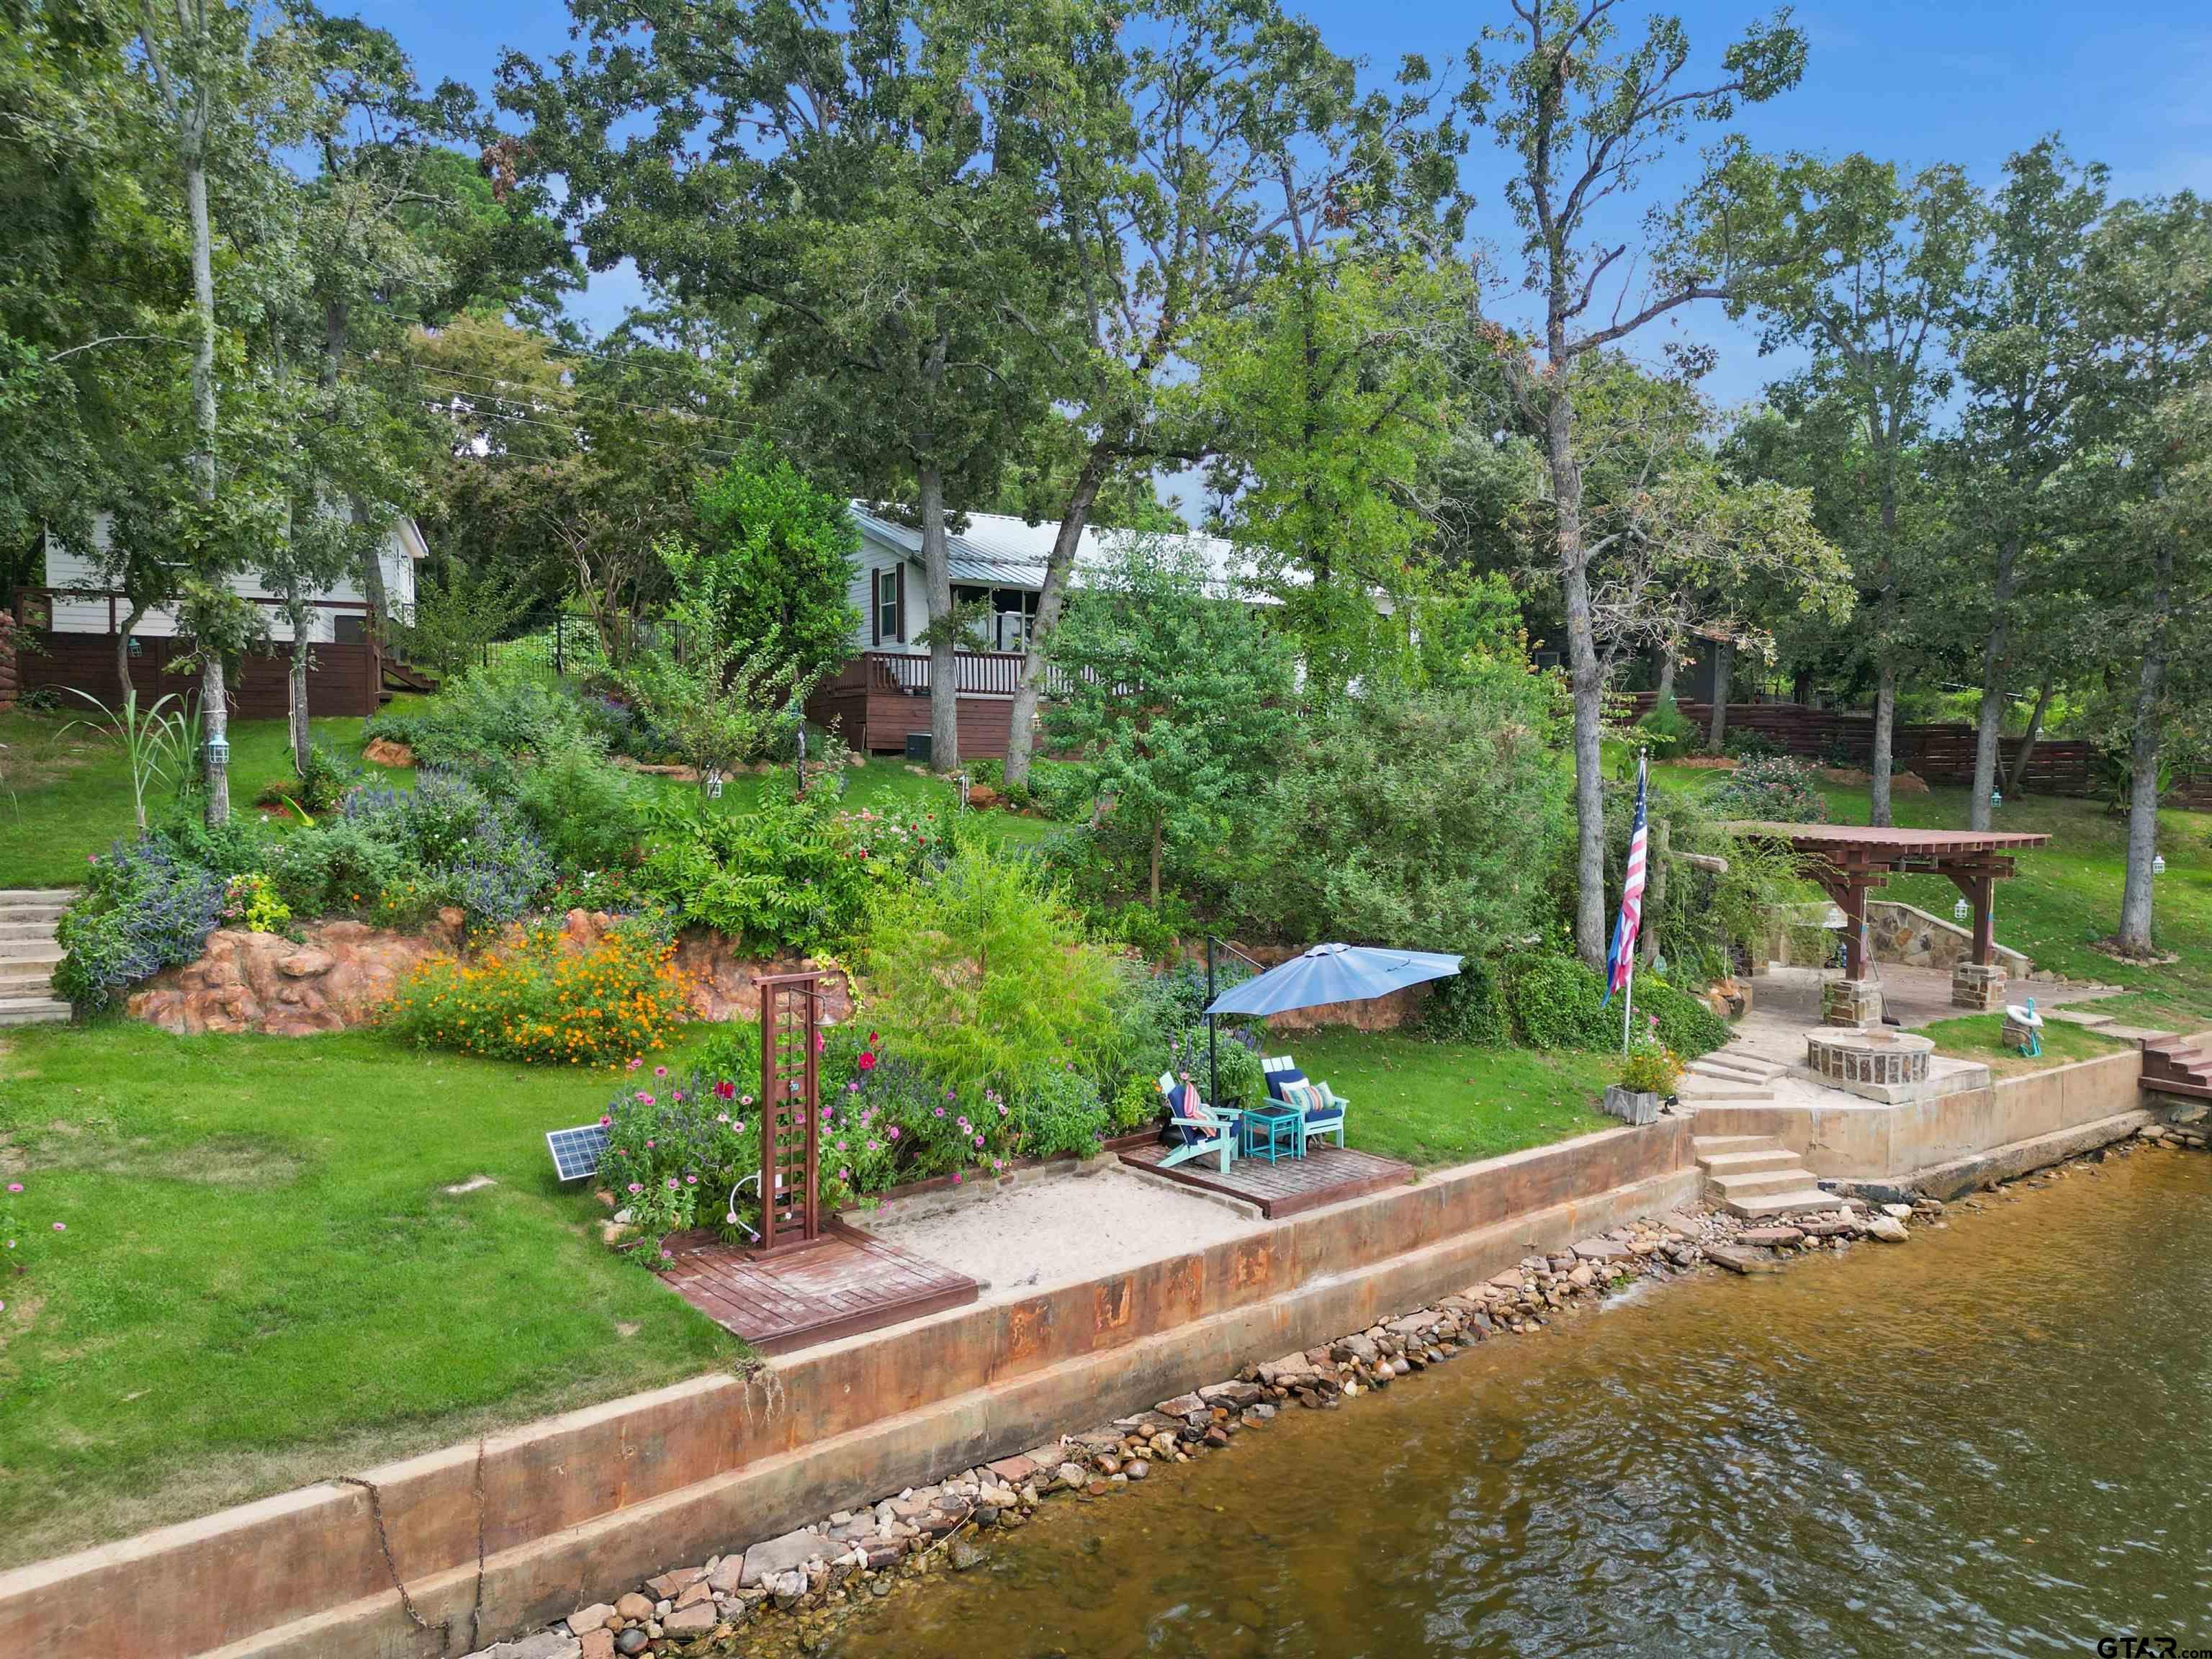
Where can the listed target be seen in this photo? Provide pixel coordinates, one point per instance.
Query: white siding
(65, 567)
(877, 555)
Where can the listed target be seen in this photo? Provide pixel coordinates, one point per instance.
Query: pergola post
(1978, 982)
(1855, 999)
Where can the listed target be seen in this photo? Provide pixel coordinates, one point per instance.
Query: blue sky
(1907, 80)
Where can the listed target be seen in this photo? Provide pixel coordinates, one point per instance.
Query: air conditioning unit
(920, 748)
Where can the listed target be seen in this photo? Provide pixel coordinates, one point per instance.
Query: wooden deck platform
(847, 1282)
(1326, 1174)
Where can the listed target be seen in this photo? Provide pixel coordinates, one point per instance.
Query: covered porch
(881, 699)
(1851, 861)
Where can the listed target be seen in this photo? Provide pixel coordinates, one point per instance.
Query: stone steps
(1728, 1074)
(1756, 1175)
(29, 953)
(2175, 1066)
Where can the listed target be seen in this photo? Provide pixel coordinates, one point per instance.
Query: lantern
(2158, 864)
(1961, 912)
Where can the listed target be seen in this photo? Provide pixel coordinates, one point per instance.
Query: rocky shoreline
(778, 1596)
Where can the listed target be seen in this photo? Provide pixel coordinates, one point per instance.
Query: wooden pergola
(1849, 859)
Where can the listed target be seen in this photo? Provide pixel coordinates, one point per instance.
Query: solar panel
(576, 1153)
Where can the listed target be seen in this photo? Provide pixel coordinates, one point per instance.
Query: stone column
(1851, 1002)
(1978, 986)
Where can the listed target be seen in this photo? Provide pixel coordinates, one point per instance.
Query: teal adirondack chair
(1207, 1131)
(1323, 1107)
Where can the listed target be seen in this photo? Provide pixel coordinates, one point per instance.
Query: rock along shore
(780, 1594)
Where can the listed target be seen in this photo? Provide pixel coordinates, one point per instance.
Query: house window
(889, 589)
(349, 628)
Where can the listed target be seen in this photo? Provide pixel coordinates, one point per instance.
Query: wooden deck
(846, 1284)
(1326, 1174)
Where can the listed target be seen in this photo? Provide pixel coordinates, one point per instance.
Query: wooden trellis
(791, 1116)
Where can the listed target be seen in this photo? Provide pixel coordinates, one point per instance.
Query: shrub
(1747, 743)
(341, 867)
(535, 999)
(474, 851)
(583, 809)
(1134, 1104)
(1555, 1002)
(983, 970)
(482, 724)
(675, 1151)
(318, 789)
(1839, 753)
(1058, 1111)
(1666, 731)
(1678, 1019)
(1469, 1007)
(144, 909)
(252, 902)
(1240, 1079)
(1780, 790)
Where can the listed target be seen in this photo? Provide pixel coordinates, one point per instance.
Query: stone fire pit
(1881, 1057)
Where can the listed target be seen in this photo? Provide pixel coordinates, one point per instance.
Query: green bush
(143, 908)
(1555, 1002)
(1057, 1109)
(1666, 731)
(1747, 743)
(1780, 790)
(483, 723)
(1469, 1007)
(1134, 1104)
(1238, 1079)
(983, 971)
(584, 809)
(318, 789)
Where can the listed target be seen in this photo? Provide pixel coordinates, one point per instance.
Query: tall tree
(1866, 272)
(1188, 148)
(856, 190)
(2151, 271)
(2028, 356)
(1583, 121)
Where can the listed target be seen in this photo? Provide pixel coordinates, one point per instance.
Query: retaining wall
(605, 1495)
(1910, 1142)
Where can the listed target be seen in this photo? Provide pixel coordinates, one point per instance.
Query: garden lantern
(1961, 911)
(1997, 798)
(2158, 864)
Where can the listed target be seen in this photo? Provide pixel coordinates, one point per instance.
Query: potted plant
(1649, 1073)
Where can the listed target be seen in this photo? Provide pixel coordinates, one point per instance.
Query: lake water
(1996, 1439)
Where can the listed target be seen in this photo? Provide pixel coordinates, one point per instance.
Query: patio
(1326, 1174)
(845, 1283)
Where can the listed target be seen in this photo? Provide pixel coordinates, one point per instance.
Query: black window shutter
(876, 606)
(902, 602)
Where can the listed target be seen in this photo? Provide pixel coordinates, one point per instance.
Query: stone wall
(338, 973)
(1901, 934)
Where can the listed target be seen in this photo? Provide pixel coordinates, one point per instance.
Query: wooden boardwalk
(1326, 1174)
(844, 1284)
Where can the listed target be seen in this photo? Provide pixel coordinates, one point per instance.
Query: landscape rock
(694, 1620)
(633, 1608)
(1886, 1228)
(540, 1644)
(1737, 1259)
(780, 1555)
(585, 1621)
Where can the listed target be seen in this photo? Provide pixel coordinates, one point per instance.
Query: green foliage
(1666, 731)
(1057, 1109)
(1779, 790)
(1555, 1002)
(458, 613)
(583, 808)
(1747, 744)
(1650, 1067)
(1134, 1104)
(143, 908)
(794, 874)
(1176, 702)
(1469, 1007)
(786, 552)
(251, 900)
(486, 723)
(1239, 1079)
(983, 970)
(1425, 820)
(321, 784)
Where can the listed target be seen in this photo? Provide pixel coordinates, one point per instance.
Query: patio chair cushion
(1188, 1107)
(1326, 1107)
(1278, 1081)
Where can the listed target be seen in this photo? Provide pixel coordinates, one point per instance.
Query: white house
(337, 620)
(998, 558)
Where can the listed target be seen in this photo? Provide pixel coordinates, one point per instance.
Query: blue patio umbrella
(1326, 973)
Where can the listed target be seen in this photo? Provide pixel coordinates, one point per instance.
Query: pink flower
(660, 1071)
(721, 1117)
(605, 1120)
(635, 1062)
(875, 1146)
(671, 1183)
(60, 1226)
(668, 1255)
(691, 1181)
(643, 1098)
(867, 1060)
(746, 1100)
(956, 1177)
(679, 1097)
(845, 1176)
(872, 1039)
(636, 1187)
(978, 1140)
(893, 1131)
(1002, 1109)
(726, 1091)
(820, 1043)
(940, 1111)
(650, 1145)
(17, 1186)
(738, 1127)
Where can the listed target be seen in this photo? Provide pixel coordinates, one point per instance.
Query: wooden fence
(1937, 752)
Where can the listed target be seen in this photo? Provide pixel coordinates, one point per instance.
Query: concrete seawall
(619, 1490)
(1954, 1141)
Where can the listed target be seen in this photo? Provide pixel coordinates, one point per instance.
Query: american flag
(1620, 961)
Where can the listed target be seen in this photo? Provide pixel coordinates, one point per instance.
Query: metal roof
(999, 550)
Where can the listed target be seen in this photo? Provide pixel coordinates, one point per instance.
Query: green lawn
(65, 794)
(1433, 1103)
(2067, 895)
(1978, 1036)
(263, 1280)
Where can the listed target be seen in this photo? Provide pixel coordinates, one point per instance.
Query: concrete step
(1803, 1201)
(1745, 1064)
(32, 916)
(44, 952)
(32, 1011)
(1751, 1161)
(25, 982)
(25, 930)
(54, 895)
(1706, 1146)
(1695, 1086)
(1757, 1183)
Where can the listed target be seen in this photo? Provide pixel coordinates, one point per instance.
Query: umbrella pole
(1213, 1049)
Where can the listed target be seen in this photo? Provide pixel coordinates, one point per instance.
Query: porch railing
(976, 673)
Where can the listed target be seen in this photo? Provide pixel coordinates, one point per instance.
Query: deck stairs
(1756, 1175)
(2178, 1066)
(1735, 1073)
(29, 953)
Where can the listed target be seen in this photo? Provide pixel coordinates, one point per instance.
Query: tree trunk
(1159, 834)
(2017, 780)
(295, 608)
(123, 650)
(1666, 692)
(1989, 722)
(1586, 678)
(1051, 595)
(944, 642)
(2143, 754)
(1885, 746)
(214, 706)
(1723, 671)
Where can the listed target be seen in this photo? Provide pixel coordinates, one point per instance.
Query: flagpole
(1628, 954)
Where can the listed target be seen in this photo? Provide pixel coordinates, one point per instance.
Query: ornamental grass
(533, 998)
